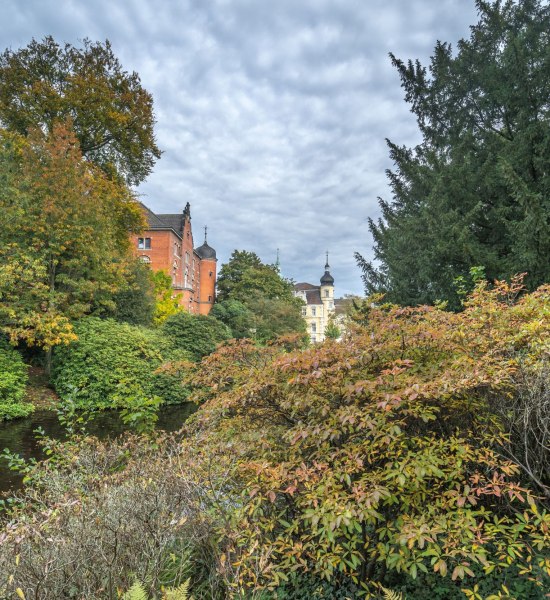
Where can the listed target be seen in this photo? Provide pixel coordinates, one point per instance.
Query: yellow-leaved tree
(64, 235)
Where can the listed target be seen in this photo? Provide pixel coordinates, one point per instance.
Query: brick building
(167, 245)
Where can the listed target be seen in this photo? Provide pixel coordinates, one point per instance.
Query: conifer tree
(476, 190)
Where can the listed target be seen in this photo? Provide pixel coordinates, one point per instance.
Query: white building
(319, 304)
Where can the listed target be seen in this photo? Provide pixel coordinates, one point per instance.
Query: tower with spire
(319, 303)
(166, 244)
(207, 269)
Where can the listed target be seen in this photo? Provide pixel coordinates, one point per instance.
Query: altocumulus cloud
(272, 114)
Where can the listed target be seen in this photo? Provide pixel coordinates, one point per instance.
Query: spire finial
(327, 266)
(278, 262)
(205, 234)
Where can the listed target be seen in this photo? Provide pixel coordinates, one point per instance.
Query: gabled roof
(302, 287)
(175, 222)
(160, 222)
(153, 222)
(313, 296)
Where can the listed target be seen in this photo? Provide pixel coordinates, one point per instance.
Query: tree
(166, 303)
(332, 330)
(196, 334)
(236, 316)
(64, 236)
(269, 299)
(112, 115)
(475, 191)
(135, 302)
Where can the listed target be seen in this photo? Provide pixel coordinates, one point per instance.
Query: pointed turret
(327, 279)
(205, 251)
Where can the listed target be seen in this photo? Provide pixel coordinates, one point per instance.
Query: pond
(19, 436)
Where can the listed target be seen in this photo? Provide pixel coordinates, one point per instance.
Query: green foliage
(196, 334)
(236, 316)
(46, 83)
(13, 382)
(112, 362)
(166, 303)
(380, 460)
(332, 331)
(275, 317)
(475, 190)
(64, 236)
(137, 592)
(137, 410)
(135, 302)
(255, 301)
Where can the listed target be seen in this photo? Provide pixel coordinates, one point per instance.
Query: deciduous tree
(112, 114)
(64, 236)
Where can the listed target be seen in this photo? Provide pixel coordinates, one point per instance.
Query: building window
(211, 274)
(313, 311)
(145, 259)
(326, 293)
(187, 258)
(313, 328)
(313, 338)
(304, 311)
(144, 243)
(209, 298)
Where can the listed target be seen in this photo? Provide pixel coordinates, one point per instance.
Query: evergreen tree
(476, 190)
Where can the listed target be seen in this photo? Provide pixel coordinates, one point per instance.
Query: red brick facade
(167, 245)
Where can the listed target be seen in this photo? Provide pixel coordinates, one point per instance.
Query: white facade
(318, 304)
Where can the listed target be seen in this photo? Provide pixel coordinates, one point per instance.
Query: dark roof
(341, 305)
(302, 287)
(153, 222)
(313, 296)
(205, 251)
(174, 222)
(327, 279)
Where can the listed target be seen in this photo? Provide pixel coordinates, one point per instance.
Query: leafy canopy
(64, 236)
(476, 190)
(380, 459)
(46, 83)
(255, 301)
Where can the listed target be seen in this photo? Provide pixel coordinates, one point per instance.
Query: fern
(390, 595)
(136, 592)
(179, 593)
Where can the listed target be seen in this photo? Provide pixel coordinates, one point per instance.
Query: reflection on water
(20, 438)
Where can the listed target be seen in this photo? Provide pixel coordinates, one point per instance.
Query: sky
(272, 115)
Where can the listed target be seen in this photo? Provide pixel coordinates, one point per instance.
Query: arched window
(145, 259)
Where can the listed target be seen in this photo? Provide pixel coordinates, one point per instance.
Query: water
(19, 436)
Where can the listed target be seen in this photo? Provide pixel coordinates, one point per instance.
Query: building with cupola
(319, 304)
(167, 245)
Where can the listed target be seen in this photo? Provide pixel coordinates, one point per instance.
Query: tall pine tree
(476, 190)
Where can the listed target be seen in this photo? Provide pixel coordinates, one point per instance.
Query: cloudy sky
(272, 115)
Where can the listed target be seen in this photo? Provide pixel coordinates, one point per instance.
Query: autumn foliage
(383, 454)
(377, 466)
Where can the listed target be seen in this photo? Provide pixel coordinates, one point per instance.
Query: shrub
(125, 510)
(379, 459)
(197, 334)
(110, 356)
(13, 383)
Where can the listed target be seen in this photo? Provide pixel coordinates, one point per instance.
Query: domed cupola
(327, 278)
(205, 251)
